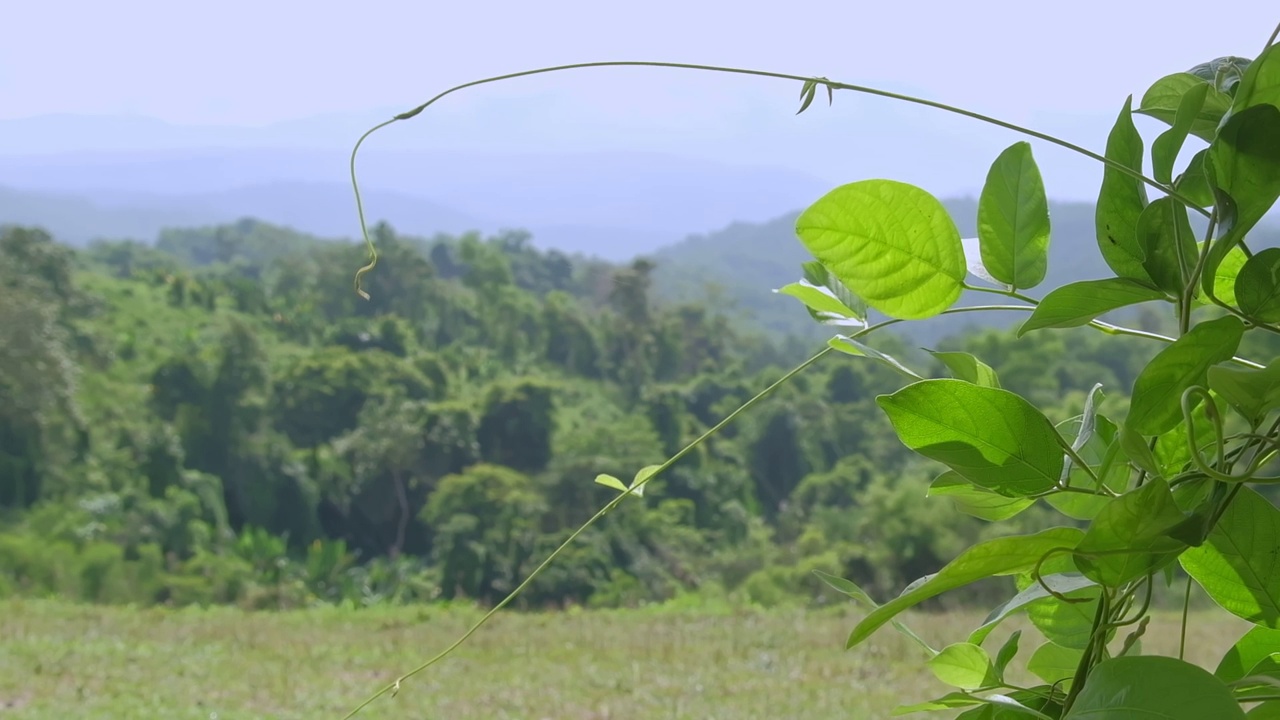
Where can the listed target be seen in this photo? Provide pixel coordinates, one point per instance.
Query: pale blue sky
(1062, 67)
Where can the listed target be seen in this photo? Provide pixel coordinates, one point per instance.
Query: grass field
(60, 661)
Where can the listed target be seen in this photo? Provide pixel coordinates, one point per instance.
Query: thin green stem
(1186, 608)
(1105, 327)
(1086, 658)
(1188, 290)
(831, 85)
(1272, 40)
(574, 536)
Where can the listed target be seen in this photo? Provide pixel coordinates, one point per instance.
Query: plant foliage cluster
(1175, 480)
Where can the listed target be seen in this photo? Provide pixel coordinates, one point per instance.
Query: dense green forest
(219, 418)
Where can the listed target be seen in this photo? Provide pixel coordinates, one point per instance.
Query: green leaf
(1257, 653)
(1061, 583)
(1193, 183)
(1018, 705)
(1245, 165)
(968, 368)
(820, 300)
(1155, 687)
(1260, 83)
(1238, 564)
(807, 92)
(850, 588)
(964, 665)
(1054, 663)
(1135, 448)
(1164, 98)
(1258, 286)
(946, 702)
(1013, 219)
(853, 347)
(1069, 624)
(1156, 407)
(1163, 231)
(975, 501)
(817, 274)
(1079, 302)
(997, 557)
(1165, 149)
(1252, 392)
(1225, 274)
(610, 481)
(1130, 536)
(992, 437)
(1008, 651)
(892, 244)
(1122, 200)
(641, 478)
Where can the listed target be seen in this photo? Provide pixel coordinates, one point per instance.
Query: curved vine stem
(829, 84)
(394, 686)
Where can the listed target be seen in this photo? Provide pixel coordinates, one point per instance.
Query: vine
(1163, 493)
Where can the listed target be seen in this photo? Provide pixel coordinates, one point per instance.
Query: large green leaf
(992, 437)
(1163, 99)
(1225, 274)
(1013, 219)
(1061, 583)
(1055, 664)
(1261, 82)
(1164, 231)
(1245, 162)
(891, 243)
(968, 368)
(1069, 624)
(1122, 200)
(1156, 405)
(1079, 302)
(1152, 687)
(996, 557)
(1257, 653)
(975, 501)
(1165, 149)
(1252, 392)
(1238, 565)
(1130, 536)
(964, 665)
(1258, 286)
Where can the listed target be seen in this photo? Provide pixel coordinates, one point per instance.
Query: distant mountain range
(613, 205)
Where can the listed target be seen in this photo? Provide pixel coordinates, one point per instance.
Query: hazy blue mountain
(315, 208)
(614, 205)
